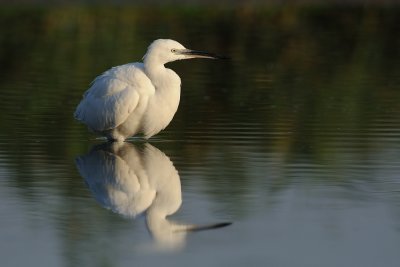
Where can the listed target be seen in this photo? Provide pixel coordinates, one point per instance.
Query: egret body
(136, 97)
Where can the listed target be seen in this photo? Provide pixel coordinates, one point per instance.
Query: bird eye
(173, 50)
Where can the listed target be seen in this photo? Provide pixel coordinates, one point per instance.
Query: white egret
(136, 97)
(132, 180)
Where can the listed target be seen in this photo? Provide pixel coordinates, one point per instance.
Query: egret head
(166, 50)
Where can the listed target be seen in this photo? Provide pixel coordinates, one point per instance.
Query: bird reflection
(132, 180)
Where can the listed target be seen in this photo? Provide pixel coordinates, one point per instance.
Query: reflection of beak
(200, 54)
(195, 228)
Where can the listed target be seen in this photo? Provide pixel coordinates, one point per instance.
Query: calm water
(296, 140)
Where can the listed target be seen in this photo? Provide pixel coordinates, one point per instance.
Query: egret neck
(165, 101)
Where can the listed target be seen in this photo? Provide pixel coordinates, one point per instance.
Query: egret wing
(112, 97)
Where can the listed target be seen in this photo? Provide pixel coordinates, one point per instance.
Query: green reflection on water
(300, 80)
(296, 66)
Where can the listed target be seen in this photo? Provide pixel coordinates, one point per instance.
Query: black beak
(201, 54)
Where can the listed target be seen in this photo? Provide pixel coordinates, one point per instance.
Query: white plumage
(136, 97)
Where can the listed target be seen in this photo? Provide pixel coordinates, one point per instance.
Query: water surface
(296, 139)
